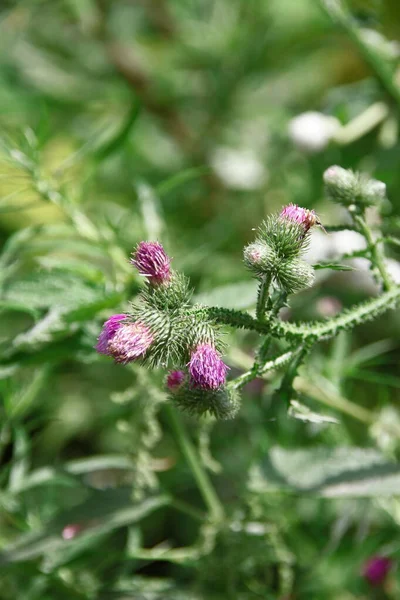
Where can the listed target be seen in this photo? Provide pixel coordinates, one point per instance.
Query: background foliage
(129, 120)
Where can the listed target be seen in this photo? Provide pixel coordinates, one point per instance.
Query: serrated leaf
(73, 468)
(333, 267)
(102, 513)
(328, 472)
(46, 289)
(300, 411)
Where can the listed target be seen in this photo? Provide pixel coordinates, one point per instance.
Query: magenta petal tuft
(207, 370)
(297, 214)
(152, 262)
(376, 569)
(110, 328)
(130, 342)
(175, 379)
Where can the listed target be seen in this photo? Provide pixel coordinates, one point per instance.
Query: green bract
(223, 403)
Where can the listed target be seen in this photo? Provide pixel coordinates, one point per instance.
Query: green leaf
(73, 468)
(328, 472)
(333, 267)
(101, 514)
(46, 289)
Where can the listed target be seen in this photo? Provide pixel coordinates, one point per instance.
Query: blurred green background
(173, 120)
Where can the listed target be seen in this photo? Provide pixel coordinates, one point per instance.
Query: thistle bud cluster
(277, 251)
(348, 188)
(162, 329)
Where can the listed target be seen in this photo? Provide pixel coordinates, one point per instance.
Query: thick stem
(204, 484)
(377, 257)
(263, 293)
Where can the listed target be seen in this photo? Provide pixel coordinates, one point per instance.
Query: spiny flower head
(175, 379)
(110, 328)
(206, 368)
(304, 217)
(130, 342)
(376, 569)
(152, 262)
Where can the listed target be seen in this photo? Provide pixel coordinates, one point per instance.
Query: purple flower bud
(151, 261)
(110, 328)
(376, 569)
(130, 341)
(206, 368)
(297, 214)
(175, 379)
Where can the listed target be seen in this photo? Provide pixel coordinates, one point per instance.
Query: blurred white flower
(393, 267)
(312, 131)
(346, 242)
(238, 169)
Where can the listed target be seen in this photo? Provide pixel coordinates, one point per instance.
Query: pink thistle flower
(302, 216)
(376, 569)
(175, 379)
(130, 342)
(206, 368)
(110, 328)
(151, 261)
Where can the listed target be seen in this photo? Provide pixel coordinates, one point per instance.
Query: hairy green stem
(377, 256)
(204, 484)
(312, 331)
(263, 293)
(249, 375)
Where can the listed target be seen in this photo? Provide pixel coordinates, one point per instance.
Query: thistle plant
(165, 329)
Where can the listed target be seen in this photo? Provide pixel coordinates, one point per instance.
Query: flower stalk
(187, 448)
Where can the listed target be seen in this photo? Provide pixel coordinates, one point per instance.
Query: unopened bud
(374, 192)
(348, 188)
(259, 257)
(341, 185)
(295, 275)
